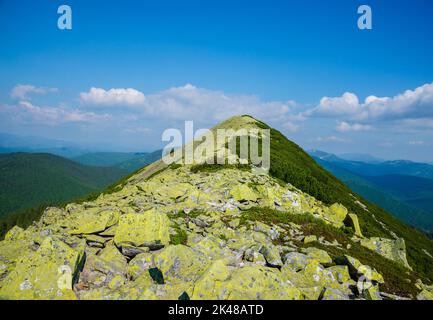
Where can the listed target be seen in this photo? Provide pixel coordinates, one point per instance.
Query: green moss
(181, 237)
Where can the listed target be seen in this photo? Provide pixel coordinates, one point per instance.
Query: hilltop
(205, 231)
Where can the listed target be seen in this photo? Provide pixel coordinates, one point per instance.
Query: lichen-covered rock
(47, 273)
(272, 255)
(149, 229)
(242, 192)
(336, 214)
(354, 222)
(92, 220)
(100, 270)
(310, 238)
(426, 292)
(257, 282)
(392, 249)
(334, 294)
(358, 270)
(180, 263)
(318, 254)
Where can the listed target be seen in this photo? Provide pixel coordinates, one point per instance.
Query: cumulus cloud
(346, 127)
(58, 115)
(189, 102)
(21, 91)
(411, 104)
(113, 97)
(347, 104)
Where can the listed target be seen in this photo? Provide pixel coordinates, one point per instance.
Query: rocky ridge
(190, 232)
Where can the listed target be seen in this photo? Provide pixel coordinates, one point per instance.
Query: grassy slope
(29, 180)
(292, 164)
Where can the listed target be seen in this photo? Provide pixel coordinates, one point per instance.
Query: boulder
(149, 229)
(92, 220)
(180, 263)
(139, 264)
(359, 271)
(336, 214)
(258, 283)
(47, 273)
(100, 270)
(391, 249)
(242, 192)
(272, 255)
(310, 238)
(318, 254)
(352, 220)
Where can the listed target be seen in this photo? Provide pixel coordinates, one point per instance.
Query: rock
(311, 275)
(47, 273)
(352, 220)
(139, 264)
(310, 238)
(334, 294)
(252, 255)
(388, 296)
(100, 270)
(392, 249)
(256, 282)
(318, 254)
(210, 286)
(149, 229)
(16, 233)
(296, 261)
(92, 220)
(242, 192)
(372, 293)
(338, 274)
(180, 263)
(131, 251)
(272, 255)
(336, 214)
(359, 271)
(426, 293)
(234, 223)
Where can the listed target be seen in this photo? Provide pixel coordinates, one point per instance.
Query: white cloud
(21, 91)
(347, 104)
(416, 143)
(191, 103)
(330, 139)
(411, 104)
(346, 127)
(54, 115)
(113, 97)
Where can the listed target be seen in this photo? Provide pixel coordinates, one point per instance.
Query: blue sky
(205, 60)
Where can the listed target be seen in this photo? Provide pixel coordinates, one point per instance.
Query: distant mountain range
(129, 162)
(15, 143)
(29, 180)
(402, 187)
